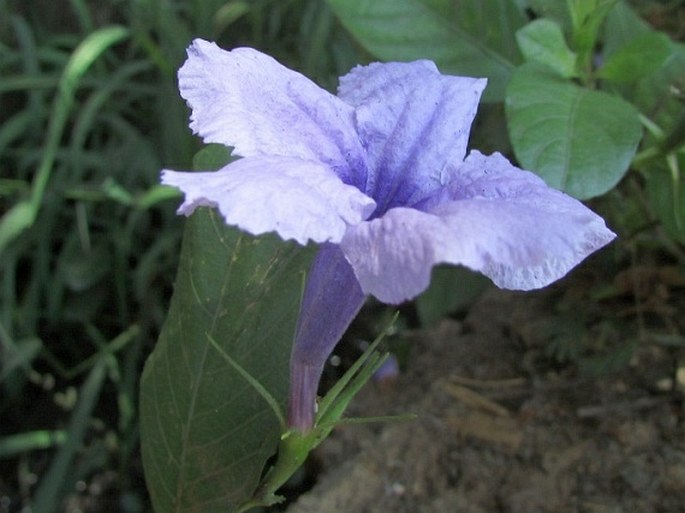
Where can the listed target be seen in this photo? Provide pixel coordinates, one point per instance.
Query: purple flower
(379, 176)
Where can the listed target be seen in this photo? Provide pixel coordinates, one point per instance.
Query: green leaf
(15, 221)
(492, 22)
(552, 9)
(657, 95)
(451, 289)
(212, 157)
(14, 445)
(466, 38)
(666, 190)
(578, 140)
(622, 26)
(206, 430)
(640, 57)
(542, 42)
(295, 445)
(587, 17)
(19, 354)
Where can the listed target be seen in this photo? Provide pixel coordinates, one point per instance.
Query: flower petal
(494, 218)
(298, 199)
(516, 230)
(392, 256)
(246, 99)
(412, 122)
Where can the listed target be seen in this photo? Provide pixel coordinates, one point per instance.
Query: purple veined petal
(493, 177)
(392, 256)
(412, 122)
(365, 82)
(246, 99)
(493, 218)
(298, 199)
(525, 234)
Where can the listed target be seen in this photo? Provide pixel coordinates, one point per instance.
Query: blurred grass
(89, 114)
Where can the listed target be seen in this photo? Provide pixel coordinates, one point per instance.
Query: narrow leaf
(56, 480)
(666, 190)
(24, 214)
(587, 17)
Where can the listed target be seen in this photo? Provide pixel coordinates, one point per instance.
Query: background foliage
(89, 243)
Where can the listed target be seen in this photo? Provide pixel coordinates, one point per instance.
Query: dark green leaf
(622, 26)
(660, 94)
(451, 289)
(206, 432)
(81, 269)
(542, 42)
(587, 17)
(212, 157)
(493, 22)
(666, 191)
(579, 140)
(556, 10)
(637, 59)
(467, 38)
(19, 354)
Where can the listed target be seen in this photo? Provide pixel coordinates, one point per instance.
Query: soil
(501, 428)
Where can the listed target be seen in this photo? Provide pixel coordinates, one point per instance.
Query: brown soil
(499, 431)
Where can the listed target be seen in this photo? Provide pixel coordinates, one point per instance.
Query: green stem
(292, 453)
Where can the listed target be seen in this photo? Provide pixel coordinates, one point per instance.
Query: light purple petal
(298, 199)
(493, 218)
(246, 99)
(412, 122)
(392, 256)
(365, 83)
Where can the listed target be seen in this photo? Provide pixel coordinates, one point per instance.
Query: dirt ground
(499, 431)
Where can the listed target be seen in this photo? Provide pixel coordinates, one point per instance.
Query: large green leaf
(206, 432)
(466, 37)
(578, 140)
(493, 23)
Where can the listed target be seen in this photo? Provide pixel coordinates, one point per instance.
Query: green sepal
(295, 446)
